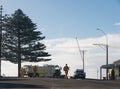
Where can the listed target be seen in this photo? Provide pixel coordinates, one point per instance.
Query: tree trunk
(19, 54)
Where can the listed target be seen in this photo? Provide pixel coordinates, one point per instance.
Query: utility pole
(82, 53)
(1, 8)
(83, 58)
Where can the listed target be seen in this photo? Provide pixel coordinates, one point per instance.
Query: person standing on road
(66, 68)
(113, 74)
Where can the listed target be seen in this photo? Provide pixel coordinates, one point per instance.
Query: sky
(61, 21)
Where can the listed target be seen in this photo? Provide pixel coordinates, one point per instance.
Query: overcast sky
(61, 21)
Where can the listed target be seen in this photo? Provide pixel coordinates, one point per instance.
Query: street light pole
(107, 61)
(106, 51)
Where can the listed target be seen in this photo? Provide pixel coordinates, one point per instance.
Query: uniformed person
(66, 68)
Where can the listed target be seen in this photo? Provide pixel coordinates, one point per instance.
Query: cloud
(65, 50)
(8, 69)
(117, 24)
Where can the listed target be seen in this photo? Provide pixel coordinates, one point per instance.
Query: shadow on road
(9, 79)
(13, 85)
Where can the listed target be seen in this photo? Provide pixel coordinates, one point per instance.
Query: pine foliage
(21, 40)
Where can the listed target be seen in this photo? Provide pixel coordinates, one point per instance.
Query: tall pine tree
(22, 41)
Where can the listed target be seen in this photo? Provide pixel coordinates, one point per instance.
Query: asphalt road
(53, 83)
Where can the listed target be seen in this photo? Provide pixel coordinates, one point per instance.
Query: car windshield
(79, 71)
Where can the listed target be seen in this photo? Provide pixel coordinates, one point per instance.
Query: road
(54, 83)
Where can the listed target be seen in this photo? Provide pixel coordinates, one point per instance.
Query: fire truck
(41, 71)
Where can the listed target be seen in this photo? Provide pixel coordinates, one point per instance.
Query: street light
(104, 34)
(106, 45)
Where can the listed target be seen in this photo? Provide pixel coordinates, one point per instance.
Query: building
(115, 66)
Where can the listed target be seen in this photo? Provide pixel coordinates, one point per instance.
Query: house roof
(109, 66)
(117, 62)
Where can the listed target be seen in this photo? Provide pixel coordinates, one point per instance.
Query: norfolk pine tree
(22, 41)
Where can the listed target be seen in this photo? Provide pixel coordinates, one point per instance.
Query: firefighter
(23, 72)
(66, 68)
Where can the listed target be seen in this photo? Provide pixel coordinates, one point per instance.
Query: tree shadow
(13, 85)
(9, 79)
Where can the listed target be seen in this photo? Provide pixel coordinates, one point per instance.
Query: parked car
(79, 74)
